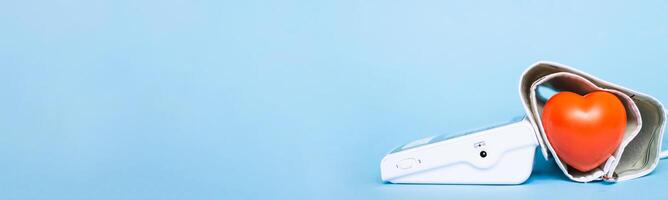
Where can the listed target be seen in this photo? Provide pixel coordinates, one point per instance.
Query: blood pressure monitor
(497, 155)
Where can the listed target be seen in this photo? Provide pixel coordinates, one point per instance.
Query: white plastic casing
(508, 158)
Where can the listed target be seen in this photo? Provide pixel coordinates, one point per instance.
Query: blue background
(290, 99)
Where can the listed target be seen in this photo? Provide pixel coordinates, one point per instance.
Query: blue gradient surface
(290, 99)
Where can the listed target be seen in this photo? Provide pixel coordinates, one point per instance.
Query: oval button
(407, 163)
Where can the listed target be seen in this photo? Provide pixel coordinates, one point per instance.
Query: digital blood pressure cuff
(639, 152)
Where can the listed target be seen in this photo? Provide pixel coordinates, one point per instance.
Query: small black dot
(483, 154)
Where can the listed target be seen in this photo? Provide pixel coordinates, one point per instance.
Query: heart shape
(584, 130)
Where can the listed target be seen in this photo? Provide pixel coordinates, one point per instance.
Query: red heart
(584, 131)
